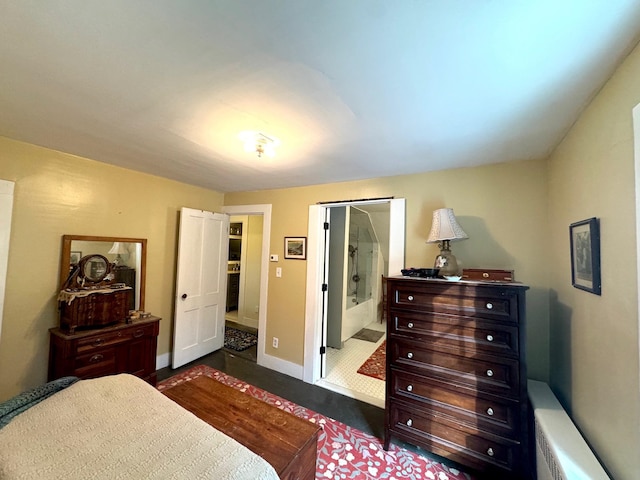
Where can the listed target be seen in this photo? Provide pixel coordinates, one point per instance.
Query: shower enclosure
(355, 265)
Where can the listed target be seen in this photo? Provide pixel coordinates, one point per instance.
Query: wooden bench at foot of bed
(287, 442)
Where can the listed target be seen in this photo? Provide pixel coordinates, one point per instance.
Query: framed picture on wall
(585, 255)
(295, 248)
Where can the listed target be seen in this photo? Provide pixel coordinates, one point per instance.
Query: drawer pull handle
(490, 452)
(97, 342)
(485, 275)
(489, 338)
(138, 333)
(489, 373)
(410, 325)
(489, 306)
(409, 355)
(410, 298)
(490, 411)
(96, 358)
(409, 388)
(409, 422)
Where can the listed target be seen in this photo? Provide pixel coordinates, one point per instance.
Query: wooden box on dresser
(456, 372)
(120, 348)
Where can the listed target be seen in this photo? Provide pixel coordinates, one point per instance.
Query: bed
(116, 427)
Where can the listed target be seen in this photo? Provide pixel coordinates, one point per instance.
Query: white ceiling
(353, 88)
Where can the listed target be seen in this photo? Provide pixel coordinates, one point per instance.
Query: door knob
(184, 296)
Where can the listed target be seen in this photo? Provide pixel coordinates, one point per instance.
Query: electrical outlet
(256, 309)
(275, 342)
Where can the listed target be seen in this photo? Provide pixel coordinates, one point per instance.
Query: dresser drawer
(453, 333)
(457, 442)
(484, 373)
(88, 344)
(108, 338)
(495, 415)
(453, 301)
(96, 364)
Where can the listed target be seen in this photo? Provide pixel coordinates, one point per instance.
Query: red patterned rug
(376, 365)
(343, 452)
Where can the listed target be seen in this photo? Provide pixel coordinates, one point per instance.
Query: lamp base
(446, 261)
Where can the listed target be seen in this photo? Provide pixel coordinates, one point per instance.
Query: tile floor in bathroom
(342, 370)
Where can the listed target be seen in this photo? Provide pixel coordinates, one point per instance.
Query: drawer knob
(409, 422)
(490, 452)
(96, 358)
(410, 298)
(409, 355)
(490, 411)
(97, 342)
(409, 388)
(485, 275)
(489, 373)
(489, 338)
(410, 325)
(489, 306)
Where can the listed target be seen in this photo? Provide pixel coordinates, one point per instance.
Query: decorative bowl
(421, 272)
(452, 278)
(429, 272)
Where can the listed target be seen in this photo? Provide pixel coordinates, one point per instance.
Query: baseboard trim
(268, 361)
(163, 360)
(279, 365)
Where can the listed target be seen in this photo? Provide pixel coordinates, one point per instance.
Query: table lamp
(444, 229)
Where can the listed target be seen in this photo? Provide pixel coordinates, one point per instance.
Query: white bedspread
(120, 427)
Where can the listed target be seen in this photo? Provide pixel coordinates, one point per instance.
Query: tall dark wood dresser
(456, 372)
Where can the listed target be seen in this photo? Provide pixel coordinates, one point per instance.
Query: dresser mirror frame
(68, 246)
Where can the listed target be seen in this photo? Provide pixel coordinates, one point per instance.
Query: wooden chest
(96, 309)
(456, 372)
(287, 442)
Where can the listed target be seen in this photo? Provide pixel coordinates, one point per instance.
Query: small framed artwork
(585, 255)
(74, 257)
(295, 248)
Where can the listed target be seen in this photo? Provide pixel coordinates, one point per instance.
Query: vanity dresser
(101, 332)
(456, 372)
(96, 352)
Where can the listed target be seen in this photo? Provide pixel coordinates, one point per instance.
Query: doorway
(259, 280)
(243, 286)
(364, 241)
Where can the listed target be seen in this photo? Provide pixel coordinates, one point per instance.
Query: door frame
(316, 258)
(265, 210)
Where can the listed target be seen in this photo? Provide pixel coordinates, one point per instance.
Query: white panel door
(201, 285)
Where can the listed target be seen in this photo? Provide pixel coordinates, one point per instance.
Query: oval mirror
(94, 268)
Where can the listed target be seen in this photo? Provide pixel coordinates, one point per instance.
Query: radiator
(561, 452)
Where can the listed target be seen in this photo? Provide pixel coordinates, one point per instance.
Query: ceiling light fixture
(259, 142)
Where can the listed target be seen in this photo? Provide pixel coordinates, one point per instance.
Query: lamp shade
(118, 248)
(445, 226)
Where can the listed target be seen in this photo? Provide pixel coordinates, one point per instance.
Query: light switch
(279, 272)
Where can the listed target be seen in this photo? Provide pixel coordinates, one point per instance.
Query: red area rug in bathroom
(343, 451)
(375, 366)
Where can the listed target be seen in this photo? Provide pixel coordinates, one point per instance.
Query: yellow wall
(594, 339)
(57, 194)
(503, 209)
